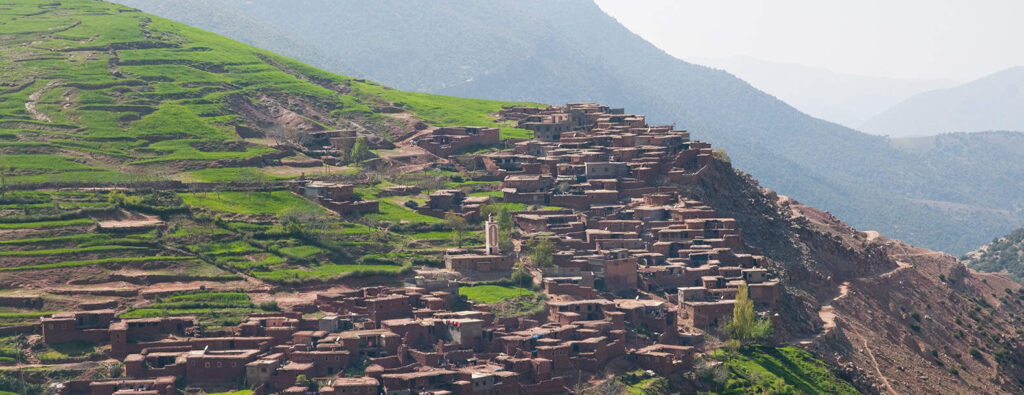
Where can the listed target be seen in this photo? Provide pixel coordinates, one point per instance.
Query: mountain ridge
(991, 102)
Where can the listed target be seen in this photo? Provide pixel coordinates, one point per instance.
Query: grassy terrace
(275, 202)
(212, 308)
(329, 272)
(766, 368)
(493, 293)
(94, 92)
(90, 262)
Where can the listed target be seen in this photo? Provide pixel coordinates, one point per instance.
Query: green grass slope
(778, 370)
(96, 92)
(1002, 255)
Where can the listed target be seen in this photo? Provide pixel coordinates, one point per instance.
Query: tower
(491, 233)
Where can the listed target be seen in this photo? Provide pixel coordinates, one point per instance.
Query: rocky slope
(892, 317)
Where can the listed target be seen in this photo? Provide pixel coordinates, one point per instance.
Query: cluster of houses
(625, 225)
(375, 340)
(640, 272)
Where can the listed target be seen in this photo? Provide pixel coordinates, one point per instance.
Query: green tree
(542, 252)
(458, 226)
(744, 325)
(360, 150)
(521, 277)
(504, 219)
(303, 381)
(116, 198)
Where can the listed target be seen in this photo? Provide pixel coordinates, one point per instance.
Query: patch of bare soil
(33, 102)
(126, 220)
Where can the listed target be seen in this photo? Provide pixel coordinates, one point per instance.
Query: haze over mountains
(846, 99)
(994, 102)
(552, 52)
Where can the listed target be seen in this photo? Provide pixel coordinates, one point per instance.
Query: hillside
(173, 195)
(846, 99)
(147, 99)
(992, 102)
(562, 51)
(1003, 255)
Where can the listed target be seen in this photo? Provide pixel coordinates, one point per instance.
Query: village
(641, 273)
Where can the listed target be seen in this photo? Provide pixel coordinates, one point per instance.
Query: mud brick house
(155, 386)
(478, 263)
(338, 197)
(128, 336)
(555, 222)
(351, 386)
(446, 200)
(91, 326)
(440, 202)
(329, 190)
(579, 310)
(418, 382)
(617, 268)
(451, 140)
(653, 315)
(664, 359)
(548, 127)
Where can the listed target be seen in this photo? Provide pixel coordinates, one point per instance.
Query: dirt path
(874, 363)
(32, 105)
(900, 265)
(827, 313)
(828, 316)
(61, 366)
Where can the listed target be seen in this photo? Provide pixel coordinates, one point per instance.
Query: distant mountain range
(846, 99)
(560, 51)
(995, 102)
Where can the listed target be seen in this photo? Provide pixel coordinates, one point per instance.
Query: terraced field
(93, 92)
(144, 167)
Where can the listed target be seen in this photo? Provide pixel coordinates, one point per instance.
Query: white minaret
(491, 233)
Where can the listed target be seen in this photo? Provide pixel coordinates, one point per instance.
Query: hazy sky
(960, 40)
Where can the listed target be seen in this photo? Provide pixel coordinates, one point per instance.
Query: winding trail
(828, 314)
(33, 102)
(874, 363)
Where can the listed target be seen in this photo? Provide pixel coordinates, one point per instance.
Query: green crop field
(758, 368)
(232, 174)
(493, 293)
(46, 224)
(328, 272)
(121, 260)
(212, 308)
(275, 202)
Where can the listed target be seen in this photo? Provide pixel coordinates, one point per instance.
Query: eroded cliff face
(891, 317)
